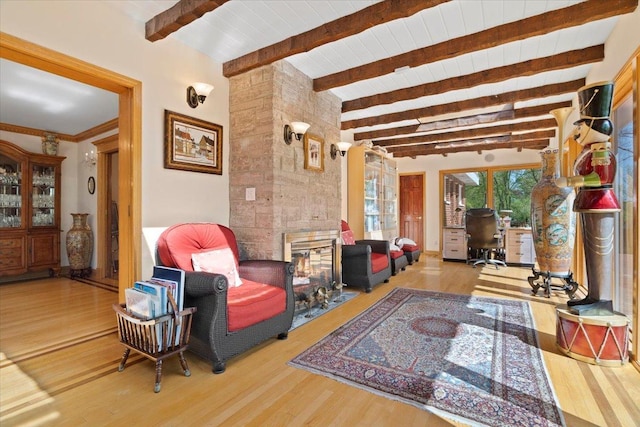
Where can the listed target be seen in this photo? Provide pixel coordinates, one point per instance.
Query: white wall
(100, 34)
(623, 41)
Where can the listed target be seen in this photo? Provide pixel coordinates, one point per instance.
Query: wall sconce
(90, 159)
(341, 147)
(198, 93)
(297, 128)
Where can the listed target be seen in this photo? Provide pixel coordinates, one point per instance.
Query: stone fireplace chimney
(288, 197)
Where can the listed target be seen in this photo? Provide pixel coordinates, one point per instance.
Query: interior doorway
(411, 211)
(128, 140)
(108, 253)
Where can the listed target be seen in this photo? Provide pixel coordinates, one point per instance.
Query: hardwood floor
(60, 355)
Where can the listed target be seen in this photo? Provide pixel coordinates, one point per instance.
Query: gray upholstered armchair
(484, 235)
(237, 308)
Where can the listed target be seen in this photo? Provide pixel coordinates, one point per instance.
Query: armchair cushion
(252, 303)
(396, 254)
(379, 262)
(221, 261)
(175, 248)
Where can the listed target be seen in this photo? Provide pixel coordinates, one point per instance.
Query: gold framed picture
(192, 144)
(313, 153)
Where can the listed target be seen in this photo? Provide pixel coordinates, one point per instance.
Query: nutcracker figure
(596, 201)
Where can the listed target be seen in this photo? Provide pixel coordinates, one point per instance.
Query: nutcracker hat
(595, 106)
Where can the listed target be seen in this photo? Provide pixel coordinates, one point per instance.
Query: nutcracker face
(586, 135)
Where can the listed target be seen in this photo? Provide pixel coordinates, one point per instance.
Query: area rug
(470, 359)
(304, 316)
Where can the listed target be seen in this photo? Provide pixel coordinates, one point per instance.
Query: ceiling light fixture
(341, 147)
(296, 128)
(198, 93)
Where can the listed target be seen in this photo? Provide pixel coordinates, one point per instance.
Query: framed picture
(313, 153)
(192, 144)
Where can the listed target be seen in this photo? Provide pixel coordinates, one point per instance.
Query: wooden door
(411, 212)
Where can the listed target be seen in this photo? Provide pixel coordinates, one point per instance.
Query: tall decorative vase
(554, 222)
(80, 246)
(50, 144)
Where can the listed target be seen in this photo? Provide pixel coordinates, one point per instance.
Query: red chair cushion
(252, 303)
(345, 226)
(178, 242)
(396, 254)
(379, 262)
(410, 248)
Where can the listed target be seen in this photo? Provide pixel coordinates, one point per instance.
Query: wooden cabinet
(372, 194)
(519, 246)
(29, 211)
(454, 244)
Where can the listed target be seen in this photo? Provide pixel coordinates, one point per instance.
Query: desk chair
(484, 235)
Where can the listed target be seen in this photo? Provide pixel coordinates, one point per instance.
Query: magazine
(158, 292)
(139, 303)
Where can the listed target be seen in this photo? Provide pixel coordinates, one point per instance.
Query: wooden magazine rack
(156, 338)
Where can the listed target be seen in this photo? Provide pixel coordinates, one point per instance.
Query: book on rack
(173, 275)
(167, 275)
(140, 303)
(159, 294)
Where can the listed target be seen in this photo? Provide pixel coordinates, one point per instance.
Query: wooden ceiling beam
(473, 133)
(511, 114)
(497, 143)
(560, 61)
(468, 104)
(545, 23)
(379, 13)
(177, 16)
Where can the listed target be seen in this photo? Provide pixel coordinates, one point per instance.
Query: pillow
(348, 238)
(393, 247)
(220, 261)
(405, 241)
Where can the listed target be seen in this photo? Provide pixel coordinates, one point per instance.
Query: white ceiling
(38, 100)
(242, 26)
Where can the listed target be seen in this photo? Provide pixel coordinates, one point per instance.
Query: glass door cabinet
(372, 199)
(29, 211)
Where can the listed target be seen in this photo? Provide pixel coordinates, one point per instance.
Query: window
(623, 146)
(510, 190)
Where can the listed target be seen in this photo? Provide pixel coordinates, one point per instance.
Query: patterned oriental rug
(471, 359)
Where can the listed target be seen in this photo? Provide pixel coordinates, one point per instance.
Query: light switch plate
(250, 194)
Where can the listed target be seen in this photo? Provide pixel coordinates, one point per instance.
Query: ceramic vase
(50, 144)
(80, 246)
(554, 222)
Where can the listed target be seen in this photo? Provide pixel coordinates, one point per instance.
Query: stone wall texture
(289, 198)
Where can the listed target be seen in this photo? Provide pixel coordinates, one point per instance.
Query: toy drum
(599, 340)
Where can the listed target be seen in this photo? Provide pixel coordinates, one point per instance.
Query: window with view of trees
(509, 189)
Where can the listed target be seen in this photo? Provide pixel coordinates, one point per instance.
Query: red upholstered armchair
(240, 303)
(365, 263)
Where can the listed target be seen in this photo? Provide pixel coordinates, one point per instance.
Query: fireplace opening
(315, 256)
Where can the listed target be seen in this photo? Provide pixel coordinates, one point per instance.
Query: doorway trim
(129, 140)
